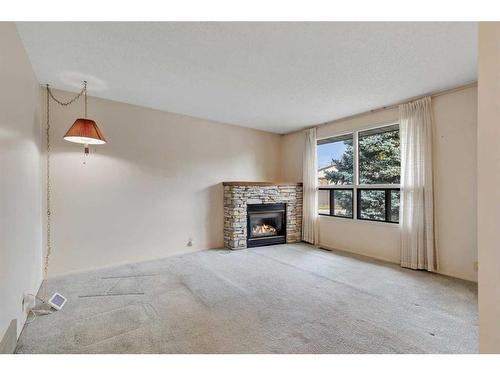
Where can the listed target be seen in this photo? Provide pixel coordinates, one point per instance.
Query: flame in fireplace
(263, 229)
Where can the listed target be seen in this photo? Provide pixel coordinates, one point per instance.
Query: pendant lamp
(84, 130)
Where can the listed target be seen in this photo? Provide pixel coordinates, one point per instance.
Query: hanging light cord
(49, 243)
(48, 182)
(85, 94)
(74, 99)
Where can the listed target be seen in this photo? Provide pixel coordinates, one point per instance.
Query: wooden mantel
(260, 183)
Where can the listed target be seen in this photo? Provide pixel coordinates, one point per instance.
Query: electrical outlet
(28, 302)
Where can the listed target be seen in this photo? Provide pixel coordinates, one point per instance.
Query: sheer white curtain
(417, 209)
(310, 180)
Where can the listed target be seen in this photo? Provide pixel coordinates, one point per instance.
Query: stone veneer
(238, 194)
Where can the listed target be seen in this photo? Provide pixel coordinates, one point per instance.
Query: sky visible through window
(330, 151)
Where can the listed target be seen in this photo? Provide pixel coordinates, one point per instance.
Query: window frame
(356, 186)
(387, 208)
(332, 201)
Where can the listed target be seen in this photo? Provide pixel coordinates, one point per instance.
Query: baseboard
(327, 247)
(439, 272)
(118, 264)
(9, 340)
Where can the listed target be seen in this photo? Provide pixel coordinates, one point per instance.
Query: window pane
(335, 161)
(379, 161)
(395, 206)
(324, 202)
(342, 203)
(372, 204)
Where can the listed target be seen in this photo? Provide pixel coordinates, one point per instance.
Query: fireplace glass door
(266, 224)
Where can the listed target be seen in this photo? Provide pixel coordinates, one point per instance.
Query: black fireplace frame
(263, 208)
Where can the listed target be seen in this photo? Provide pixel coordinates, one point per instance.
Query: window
(335, 161)
(371, 204)
(360, 172)
(379, 164)
(379, 156)
(378, 205)
(342, 202)
(394, 208)
(336, 202)
(324, 201)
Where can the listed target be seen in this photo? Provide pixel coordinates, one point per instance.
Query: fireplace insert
(266, 224)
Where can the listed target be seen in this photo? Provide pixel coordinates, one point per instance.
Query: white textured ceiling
(275, 76)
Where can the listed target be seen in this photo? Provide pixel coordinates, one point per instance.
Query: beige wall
(455, 187)
(20, 184)
(152, 188)
(488, 187)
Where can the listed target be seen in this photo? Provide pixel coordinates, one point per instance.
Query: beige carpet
(278, 299)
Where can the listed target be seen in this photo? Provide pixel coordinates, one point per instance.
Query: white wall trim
(331, 248)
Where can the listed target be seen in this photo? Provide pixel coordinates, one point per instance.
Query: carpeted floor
(278, 299)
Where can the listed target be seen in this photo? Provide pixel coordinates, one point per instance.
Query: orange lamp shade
(85, 131)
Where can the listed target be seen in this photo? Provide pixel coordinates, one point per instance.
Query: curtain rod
(395, 105)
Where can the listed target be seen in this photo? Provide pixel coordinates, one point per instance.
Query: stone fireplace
(261, 213)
